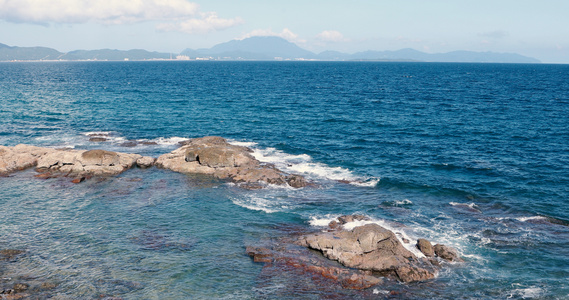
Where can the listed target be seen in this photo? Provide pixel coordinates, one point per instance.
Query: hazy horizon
(529, 28)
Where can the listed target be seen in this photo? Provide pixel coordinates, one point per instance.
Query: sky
(535, 28)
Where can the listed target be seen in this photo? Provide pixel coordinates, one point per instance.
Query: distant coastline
(255, 49)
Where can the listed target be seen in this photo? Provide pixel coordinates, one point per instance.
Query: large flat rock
(215, 156)
(67, 161)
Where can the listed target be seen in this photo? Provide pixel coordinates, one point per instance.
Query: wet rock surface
(425, 247)
(11, 254)
(215, 156)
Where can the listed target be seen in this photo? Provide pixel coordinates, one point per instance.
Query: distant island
(267, 48)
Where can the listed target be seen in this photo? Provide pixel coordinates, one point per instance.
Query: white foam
(521, 219)
(403, 202)
(527, 293)
(168, 141)
(303, 164)
(525, 219)
(260, 204)
(242, 144)
(97, 133)
(321, 222)
(471, 205)
(383, 292)
(108, 135)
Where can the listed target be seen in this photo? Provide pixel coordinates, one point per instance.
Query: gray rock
(411, 274)
(65, 162)
(447, 253)
(21, 287)
(213, 155)
(425, 247)
(351, 218)
(145, 162)
(20, 157)
(97, 139)
(92, 162)
(370, 247)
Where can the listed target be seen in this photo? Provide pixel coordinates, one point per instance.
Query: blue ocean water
(475, 156)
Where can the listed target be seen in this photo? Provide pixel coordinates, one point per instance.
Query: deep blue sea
(475, 156)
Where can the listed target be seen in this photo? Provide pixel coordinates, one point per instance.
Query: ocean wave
(526, 293)
(534, 218)
(524, 219)
(304, 165)
(469, 206)
(268, 202)
(398, 203)
(256, 203)
(118, 140)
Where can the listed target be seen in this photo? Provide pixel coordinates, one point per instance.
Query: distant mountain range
(259, 48)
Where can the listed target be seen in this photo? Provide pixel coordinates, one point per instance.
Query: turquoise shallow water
(471, 155)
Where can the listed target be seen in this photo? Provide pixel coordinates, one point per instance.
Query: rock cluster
(208, 155)
(215, 156)
(368, 255)
(374, 248)
(77, 163)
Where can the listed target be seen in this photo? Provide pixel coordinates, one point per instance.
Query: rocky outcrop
(447, 253)
(55, 162)
(91, 162)
(215, 156)
(374, 248)
(208, 155)
(370, 247)
(360, 258)
(425, 247)
(20, 157)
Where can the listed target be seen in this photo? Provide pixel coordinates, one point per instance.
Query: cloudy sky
(536, 28)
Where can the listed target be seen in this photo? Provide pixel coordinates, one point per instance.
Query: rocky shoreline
(352, 252)
(208, 155)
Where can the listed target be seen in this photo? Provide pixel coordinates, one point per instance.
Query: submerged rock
(281, 259)
(145, 162)
(10, 254)
(213, 155)
(21, 287)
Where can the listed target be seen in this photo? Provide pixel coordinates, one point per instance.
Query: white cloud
(285, 34)
(178, 15)
(208, 22)
(102, 11)
(331, 36)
